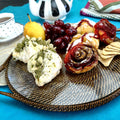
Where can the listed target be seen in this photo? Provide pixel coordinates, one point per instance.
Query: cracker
(108, 53)
(105, 62)
(111, 47)
(104, 56)
(115, 44)
(105, 52)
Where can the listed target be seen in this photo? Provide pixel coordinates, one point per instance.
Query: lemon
(34, 29)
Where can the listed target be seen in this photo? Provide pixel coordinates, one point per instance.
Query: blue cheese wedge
(30, 46)
(45, 66)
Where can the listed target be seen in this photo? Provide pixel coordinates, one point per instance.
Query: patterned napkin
(109, 9)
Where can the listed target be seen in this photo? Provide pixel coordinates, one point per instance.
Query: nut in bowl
(50, 10)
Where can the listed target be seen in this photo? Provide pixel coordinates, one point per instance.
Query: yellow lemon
(34, 29)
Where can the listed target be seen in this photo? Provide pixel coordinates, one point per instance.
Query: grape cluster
(60, 34)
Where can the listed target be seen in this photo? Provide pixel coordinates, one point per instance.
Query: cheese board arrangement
(65, 66)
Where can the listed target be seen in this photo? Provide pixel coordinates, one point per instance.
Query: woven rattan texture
(67, 92)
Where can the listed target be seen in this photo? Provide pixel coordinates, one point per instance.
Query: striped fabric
(103, 9)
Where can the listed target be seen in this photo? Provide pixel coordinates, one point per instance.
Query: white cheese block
(28, 47)
(44, 67)
(27, 52)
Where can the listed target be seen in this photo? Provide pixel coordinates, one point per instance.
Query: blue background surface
(15, 110)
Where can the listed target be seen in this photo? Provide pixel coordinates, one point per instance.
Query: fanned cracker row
(108, 53)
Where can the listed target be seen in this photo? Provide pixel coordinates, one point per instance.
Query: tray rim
(61, 108)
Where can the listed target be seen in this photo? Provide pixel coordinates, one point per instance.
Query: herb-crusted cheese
(30, 46)
(41, 58)
(44, 65)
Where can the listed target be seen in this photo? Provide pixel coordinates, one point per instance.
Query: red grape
(63, 46)
(60, 34)
(67, 26)
(71, 31)
(47, 31)
(56, 29)
(47, 36)
(59, 23)
(66, 39)
(58, 41)
(47, 25)
(54, 36)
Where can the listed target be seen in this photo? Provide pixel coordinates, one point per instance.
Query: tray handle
(9, 95)
(16, 97)
(22, 99)
(3, 66)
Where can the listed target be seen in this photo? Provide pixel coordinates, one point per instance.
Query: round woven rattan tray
(67, 92)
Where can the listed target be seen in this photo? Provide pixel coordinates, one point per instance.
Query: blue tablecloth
(15, 110)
